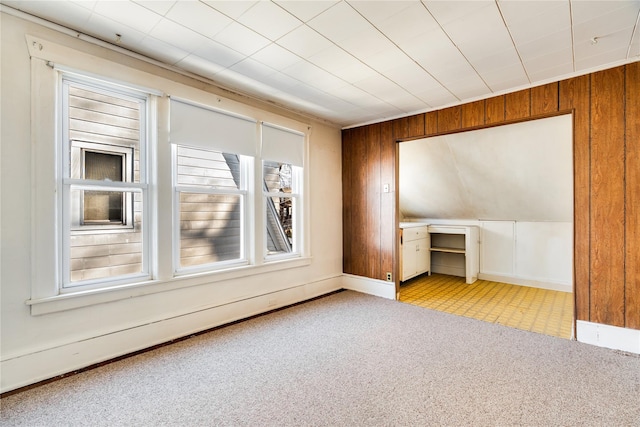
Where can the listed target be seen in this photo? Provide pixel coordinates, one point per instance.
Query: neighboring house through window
(103, 148)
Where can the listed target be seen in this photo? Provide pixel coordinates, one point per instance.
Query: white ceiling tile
(218, 53)
(200, 66)
(548, 61)
(505, 78)
(551, 42)
(161, 51)
(282, 82)
(253, 69)
(484, 28)
(558, 69)
(107, 29)
(469, 88)
(304, 41)
(305, 10)
(128, 13)
(448, 11)
(584, 48)
(276, 57)
(198, 17)
(583, 11)
(594, 61)
(232, 9)
(498, 59)
(339, 22)
(378, 85)
(388, 59)
(377, 11)
(87, 4)
(269, 20)
(177, 35)
(367, 43)
(429, 48)
(409, 23)
(311, 74)
(68, 14)
(634, 48)
(529, 21)
(436, 96)
(607, 24)
(161, 7)
(242, 39)
(342, 64)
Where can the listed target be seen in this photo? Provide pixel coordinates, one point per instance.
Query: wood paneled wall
(606, 111)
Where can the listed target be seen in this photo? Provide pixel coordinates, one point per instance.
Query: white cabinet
(415, 257)
(457, 241)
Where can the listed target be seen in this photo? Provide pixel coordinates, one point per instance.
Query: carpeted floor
(348, 360)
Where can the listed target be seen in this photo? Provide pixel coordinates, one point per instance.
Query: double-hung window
(282, 161)
(213, 155)
(104, 198)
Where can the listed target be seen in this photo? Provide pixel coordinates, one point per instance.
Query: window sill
(70, 301)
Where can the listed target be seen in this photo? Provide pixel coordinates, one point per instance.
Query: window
(282, 154)
(211, 193)
(281, 201)
(104, 183)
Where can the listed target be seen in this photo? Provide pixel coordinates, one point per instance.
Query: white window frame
(242, 192)
(67, 185)
(127, 166)
(297, 174)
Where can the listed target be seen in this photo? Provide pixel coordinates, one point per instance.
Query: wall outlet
(386, 188)
(389, 277)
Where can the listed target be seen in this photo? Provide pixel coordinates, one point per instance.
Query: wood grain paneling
(347, 199)
(407, 127)
(431, 123)
(607, 197)
(359, 214)
(373, 190)
(473, 114)
(494, 110)
(544, 99)
(575, 94)
(517, 105)
(387, 204)
(450, 119)
(606, 108)
(632, 197)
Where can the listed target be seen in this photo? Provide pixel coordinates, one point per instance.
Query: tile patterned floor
(532, 309)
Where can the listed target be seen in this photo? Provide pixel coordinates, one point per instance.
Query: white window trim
(45, 295)
(244, 194)
(66, 184)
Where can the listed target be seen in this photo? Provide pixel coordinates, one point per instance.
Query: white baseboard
(449, 270)
(22, 370)
(365, 285)
(613, 337)
(562, 287)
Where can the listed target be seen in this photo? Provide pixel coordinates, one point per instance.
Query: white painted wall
(38, 347)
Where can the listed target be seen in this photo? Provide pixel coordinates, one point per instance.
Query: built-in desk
(461, 240)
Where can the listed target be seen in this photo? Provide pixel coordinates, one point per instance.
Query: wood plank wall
(606, 107)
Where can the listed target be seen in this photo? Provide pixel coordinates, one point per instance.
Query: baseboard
(365, 285)
(613, 337)
(448, 270)
(26, 369)
(562, 287)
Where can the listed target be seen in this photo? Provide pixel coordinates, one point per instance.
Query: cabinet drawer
(414, 233)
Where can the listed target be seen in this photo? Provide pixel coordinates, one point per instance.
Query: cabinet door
(409, 259)
(423, 256)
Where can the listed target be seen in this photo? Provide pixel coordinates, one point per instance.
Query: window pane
(210, 169)
(101, 252)
(103, 207)
(210, 228)
(103, 166)
(277, 177)
(280, 231)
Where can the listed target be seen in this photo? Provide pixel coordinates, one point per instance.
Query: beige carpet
(348, 360)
